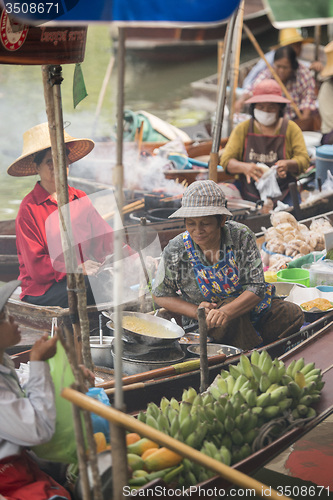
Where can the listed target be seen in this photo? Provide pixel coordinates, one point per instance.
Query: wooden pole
(130, 423)
(203, 349)
(102, 92)
(234, 72)
(272, 70)
(214, 156)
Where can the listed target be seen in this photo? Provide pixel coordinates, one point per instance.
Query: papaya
(132, 437)
(148, 452)
(100, 441)
(161, 459)
(140, 446)
(135, 462)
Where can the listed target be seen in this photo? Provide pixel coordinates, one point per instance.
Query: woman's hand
(89, 267)
(252, 171)
(217, 317)
(88, 375)
(282, 168)
(44, 348)
(208, 306)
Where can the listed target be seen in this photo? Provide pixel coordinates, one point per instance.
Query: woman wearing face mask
(267, 138)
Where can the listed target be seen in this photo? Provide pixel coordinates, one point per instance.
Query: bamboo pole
(272, 70)
(214, 155)
(203, 349)
(234, 72)
(130, 423)
(102, 92)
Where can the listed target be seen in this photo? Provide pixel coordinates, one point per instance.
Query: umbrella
(299, 13)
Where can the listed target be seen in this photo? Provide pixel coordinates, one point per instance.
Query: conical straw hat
(37, 139)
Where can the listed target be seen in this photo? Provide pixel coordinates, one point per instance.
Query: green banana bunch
(245, 366)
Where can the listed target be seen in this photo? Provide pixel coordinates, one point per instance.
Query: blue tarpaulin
(138, 12)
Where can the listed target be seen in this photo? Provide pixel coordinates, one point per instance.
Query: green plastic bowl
(296, 275)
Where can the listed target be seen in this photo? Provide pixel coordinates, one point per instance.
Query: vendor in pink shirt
(43, 282)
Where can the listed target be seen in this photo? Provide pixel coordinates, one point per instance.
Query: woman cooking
(216, 264)
(43, 279)
(267, 138)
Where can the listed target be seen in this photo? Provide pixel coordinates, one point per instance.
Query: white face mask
(264, 118)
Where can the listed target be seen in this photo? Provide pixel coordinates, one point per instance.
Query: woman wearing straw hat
(325, 97)
(43, 282)
(266, 138)
(216, 264)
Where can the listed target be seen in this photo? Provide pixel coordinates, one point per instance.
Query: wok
(172, 331)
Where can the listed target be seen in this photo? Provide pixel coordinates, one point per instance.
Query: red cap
(267, 91)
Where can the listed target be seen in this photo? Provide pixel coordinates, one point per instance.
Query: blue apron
(222, 279)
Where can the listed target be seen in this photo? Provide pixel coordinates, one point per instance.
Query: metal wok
(169, 331)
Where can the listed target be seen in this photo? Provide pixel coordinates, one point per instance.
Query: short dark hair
(289, 53)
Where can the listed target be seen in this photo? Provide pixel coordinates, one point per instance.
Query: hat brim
(267, 98)
(24, 165)
(184, 212)
(6, 291)
(293, 40)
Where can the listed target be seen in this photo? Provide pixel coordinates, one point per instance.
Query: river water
(161, 89)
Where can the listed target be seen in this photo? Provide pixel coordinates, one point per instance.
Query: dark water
(161, 89)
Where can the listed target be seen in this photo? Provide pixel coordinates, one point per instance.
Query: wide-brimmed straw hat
(202, 198)
(37, 139)
(328, 69)
(267, 91)
(6, 291)
(287, 36)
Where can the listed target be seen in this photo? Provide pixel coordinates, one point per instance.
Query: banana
(310, 388)
(302, 410)
(153, 410)
(219, 411)
(281, 371)
(226, 441)
(272, 387)
(184, 411)
(214, 392)
(191, 394)
(307, 368)
(256, 372)
(285, 379)
(264, 383)
(294, 390)
(174, 404)
(207, 399)
(237, 399)
(142, 417)
(255, 358)
(298, 366)
(186, 426)
(172, 413)
(264, 399)
(257, 410)
(251, 397)
(245, 451)
(249, 420)
(273, 374)
(307, 400)
(224, 373)
(300, 379)
(230, 384)
(236, 437)
(279, 394)
(239, 422)
(290, 367)
(311, 373)
(234, 371)
(311, 413)
(285, 404)
(245, 366)
(229, 410)
(163, 423)
(271, 412)
(222, 385)
(239, 383)
(210, 414)
(151, 421)
(174, 426)
(262, 358)
(184, 395)
(197, 400)
(250, 435)
(192, 440)
(229, 424)
(225, 455)
(218, 429)
(320, 385)
(314, 398)
(164, 403)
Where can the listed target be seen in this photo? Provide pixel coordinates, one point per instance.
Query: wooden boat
(183, 44)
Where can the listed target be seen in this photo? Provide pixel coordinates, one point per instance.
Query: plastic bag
(268, 186)
(62, 446)
(100, 424)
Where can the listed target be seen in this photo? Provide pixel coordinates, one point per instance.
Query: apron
(266, 149)
(222, 279)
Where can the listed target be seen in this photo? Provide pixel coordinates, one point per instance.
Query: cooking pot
(168, 331)
(160, 214)
(101, 353)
